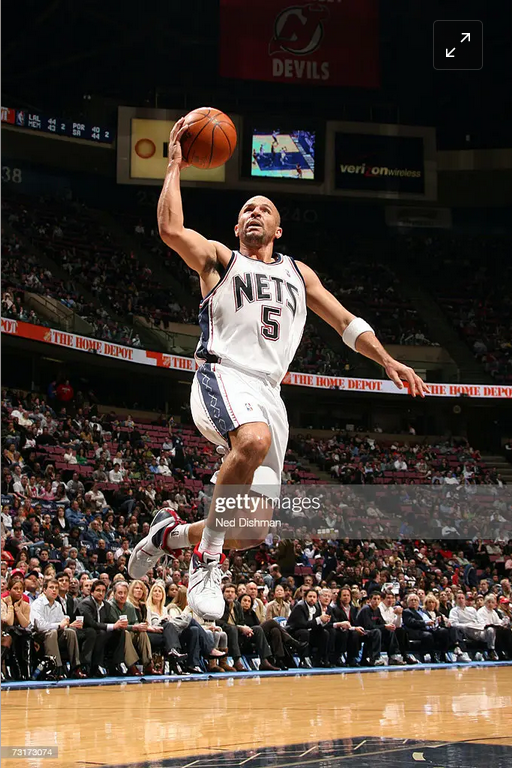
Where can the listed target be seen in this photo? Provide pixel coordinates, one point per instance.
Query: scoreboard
(20, 118)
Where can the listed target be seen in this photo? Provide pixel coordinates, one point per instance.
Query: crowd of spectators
(80, 489)
(353, 457)
(471, 277)
(12, 307)
(125, 288)
(70, 236)
(22, 273)
(475, 292)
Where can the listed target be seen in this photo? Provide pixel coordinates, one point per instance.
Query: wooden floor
(114, 725)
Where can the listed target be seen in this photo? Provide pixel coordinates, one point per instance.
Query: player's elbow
(171, 235)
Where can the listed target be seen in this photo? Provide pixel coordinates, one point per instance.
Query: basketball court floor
(456, 717)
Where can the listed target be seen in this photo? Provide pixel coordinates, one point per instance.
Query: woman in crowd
(137, 596)
(172, 591)
(278, 607)
(281, 643)
(15, 622)
(162, 633)
(46, 493)
(193, 636)
(446, 637)
(60, 517)
(445, 603)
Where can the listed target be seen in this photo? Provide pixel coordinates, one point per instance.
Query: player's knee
(253, 446)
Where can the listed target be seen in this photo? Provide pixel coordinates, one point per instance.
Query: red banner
(324, 42)
(178, 363)
(8, 115)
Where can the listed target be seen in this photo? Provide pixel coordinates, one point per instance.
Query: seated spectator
(116, 474)
(281, 643)
(32, 587)
(99, 615)
(278, 607)
(258, 605)
(51, 628)
(308, 623)
(348, 635)
(392, 611)
(96, 498)
(16, 636)
(137, 643)
(370, 618)
(193, 637)
(446, 637)
(86, 636)
(489, 618)
(163, 633)
(465, 617)
(445, 604)
(241, 637)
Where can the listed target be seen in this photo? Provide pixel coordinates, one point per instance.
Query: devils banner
(327, 42)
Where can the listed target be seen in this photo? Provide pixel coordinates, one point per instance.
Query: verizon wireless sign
(177, 363)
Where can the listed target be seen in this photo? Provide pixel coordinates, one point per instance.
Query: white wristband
(353, 330)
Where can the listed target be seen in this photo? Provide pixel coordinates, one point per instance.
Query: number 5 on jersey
(270, 329)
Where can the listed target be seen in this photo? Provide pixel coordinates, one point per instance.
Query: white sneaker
(149, 550)
(464, 657)
(204, 585)
(479, 656)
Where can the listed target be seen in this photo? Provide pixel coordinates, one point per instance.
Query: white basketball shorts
(223, 398)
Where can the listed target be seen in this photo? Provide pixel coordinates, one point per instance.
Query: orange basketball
(210, 139)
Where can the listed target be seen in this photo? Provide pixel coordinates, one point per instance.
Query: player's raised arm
(356, 333)
(195, 250)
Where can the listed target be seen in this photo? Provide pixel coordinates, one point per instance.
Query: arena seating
(163, 462)
(471, 277)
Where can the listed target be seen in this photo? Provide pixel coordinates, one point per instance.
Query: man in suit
(348, 635)
(86, 636)
(417, 626)
(308, 623)
(240, 635)
(370, 618)
(99, 615)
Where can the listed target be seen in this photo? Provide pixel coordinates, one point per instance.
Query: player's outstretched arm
(356, 333)
(195, 250)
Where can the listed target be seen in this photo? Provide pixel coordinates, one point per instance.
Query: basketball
(210, 139)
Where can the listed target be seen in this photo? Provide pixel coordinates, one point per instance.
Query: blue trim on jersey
(214, 401)
(204, 324)
(223, 278)
(294, 265)
(278, 260)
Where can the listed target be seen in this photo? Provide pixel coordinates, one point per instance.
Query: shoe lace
(213, 575)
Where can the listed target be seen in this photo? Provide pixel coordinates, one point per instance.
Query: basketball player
(252, 317)
(298, 170)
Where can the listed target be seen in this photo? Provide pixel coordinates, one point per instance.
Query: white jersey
(254, 317)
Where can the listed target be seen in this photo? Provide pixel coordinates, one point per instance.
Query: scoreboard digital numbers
(21, 118)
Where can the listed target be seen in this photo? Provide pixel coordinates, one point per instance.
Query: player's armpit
(322, 302)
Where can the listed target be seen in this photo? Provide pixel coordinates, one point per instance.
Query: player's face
(258, 222)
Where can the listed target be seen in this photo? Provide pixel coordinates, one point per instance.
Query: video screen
(283, 155)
